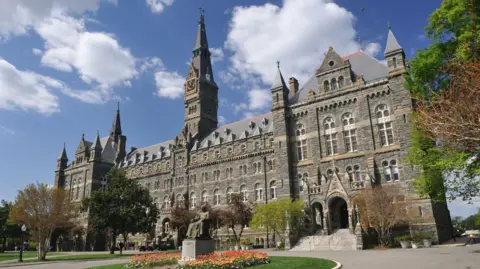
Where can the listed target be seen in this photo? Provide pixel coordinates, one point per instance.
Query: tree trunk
(4, 244)
(112, 243)
(42, 249)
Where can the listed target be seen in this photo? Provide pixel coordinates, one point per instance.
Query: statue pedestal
(192, 248)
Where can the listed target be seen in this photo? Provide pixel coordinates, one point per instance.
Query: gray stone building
(345, 129)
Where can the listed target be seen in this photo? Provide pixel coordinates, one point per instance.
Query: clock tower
(201, 91)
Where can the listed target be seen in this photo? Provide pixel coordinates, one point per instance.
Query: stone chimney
(293, 85)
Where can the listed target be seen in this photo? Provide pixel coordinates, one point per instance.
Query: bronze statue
(199, 227)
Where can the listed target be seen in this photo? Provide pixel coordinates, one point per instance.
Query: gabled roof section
(361, 64)
(109, 149)
(392, 43)
(83, 145)
(332, 61)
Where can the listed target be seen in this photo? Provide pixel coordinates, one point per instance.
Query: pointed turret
(279, 90)
(116, 130)
(392, 43)
(63, 154)
(394, 55)
(201, 41)
(96, 148)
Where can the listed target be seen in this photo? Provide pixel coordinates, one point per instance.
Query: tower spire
(201, 41)
(116, 130)
(392, 43)
(63, 154)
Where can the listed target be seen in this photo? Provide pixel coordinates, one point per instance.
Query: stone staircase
(342, 239)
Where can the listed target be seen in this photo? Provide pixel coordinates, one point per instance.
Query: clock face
(191, 85)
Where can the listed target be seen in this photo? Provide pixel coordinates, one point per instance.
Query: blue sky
(65, 63)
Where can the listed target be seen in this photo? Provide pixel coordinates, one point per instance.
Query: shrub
(403, 238)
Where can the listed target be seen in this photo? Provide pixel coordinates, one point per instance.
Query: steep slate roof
(149, 153)
(361, 63)
(237, 130)
(392, 43)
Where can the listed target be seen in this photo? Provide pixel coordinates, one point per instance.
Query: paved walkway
(427, 258)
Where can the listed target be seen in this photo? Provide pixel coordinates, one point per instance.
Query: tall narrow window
(77, 194)
(326, 85)
(257, 146)
(230, 152)
(394, 167)
(330, 136)
(270, 165)
(273, 190)
(341, 82)
(229, 194)
(166, 202)
(104, 183)
(385, 125)
(243, 148)
(301, 142)
(386, 171)
(193, 200)
(243, 191)
(357, 174)
(258, 192)
(217, 154)
(333, 84)
(394, 61)
(216, 197)
(204, 197)
(205, 156)
(349, 132)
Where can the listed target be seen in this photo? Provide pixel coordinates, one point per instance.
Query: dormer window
(217, 154)
(243, 148)
(205, 156)
(264, 122)
(251, 125)
(326, 85)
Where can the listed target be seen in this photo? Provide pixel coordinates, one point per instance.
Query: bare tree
(381, 210)
(453, 114)
(236, 215)
(43, 209)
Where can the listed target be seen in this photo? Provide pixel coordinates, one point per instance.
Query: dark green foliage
(7, 229)
(124, 207)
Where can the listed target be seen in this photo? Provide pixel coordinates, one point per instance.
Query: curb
(339, 265)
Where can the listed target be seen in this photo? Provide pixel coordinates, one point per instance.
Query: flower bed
(229, 259)
(225, 260)
(150, 260)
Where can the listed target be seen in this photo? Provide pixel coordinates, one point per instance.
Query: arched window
(205, 156)
(341, 82)
(385, 125)
(180, 200)
(204, 197)
(273, 190)
(394, 61)
(257, 167)
(333, 84)
(258, 192)
(157, 185)
(166, 202)
(270, 165)
(217, 154)
(349, 132)
(394, 167)
(301, 142)
(243, 170)
(230, 152)
(217, 175)
(386, 171)
(243, 191)
(257, 146)
(193, 200)
(330, 136)
(229, 194)
(270, 143)
(326, 85)
(216, 197)
(276, 98)
(357, 175)
(301, 178)
(243, 148)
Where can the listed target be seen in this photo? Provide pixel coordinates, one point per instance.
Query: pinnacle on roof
(97, 145)
(279, 82)
(201, 41)
(63, 154)
(392, 43)
(116, 126)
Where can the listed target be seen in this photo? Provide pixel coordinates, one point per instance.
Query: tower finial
(389, 27)
(83, 136)
(278, 64)
(118, 106)
(202, 11)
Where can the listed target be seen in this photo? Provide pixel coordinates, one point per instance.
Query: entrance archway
(338, 211)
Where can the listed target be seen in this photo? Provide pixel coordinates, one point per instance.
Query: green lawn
(277, 263)
(80, 257)
(11, 255)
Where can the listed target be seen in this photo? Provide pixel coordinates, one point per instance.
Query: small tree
(124, 207)
(380, 210)
(236, 215)
(274, 216)
(7, 229)
(181, 215)
(42, 209)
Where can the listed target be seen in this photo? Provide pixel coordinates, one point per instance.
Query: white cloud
(157, 6)
(4, 130)
(36, 51)
(259, 99)
(261, 35)
(169, 84)
(217, 54)
(222, 120)
(27, 90)
(373, 49)
(97, 57)
(18, 16)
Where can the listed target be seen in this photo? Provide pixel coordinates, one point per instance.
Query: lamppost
(23, 229)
